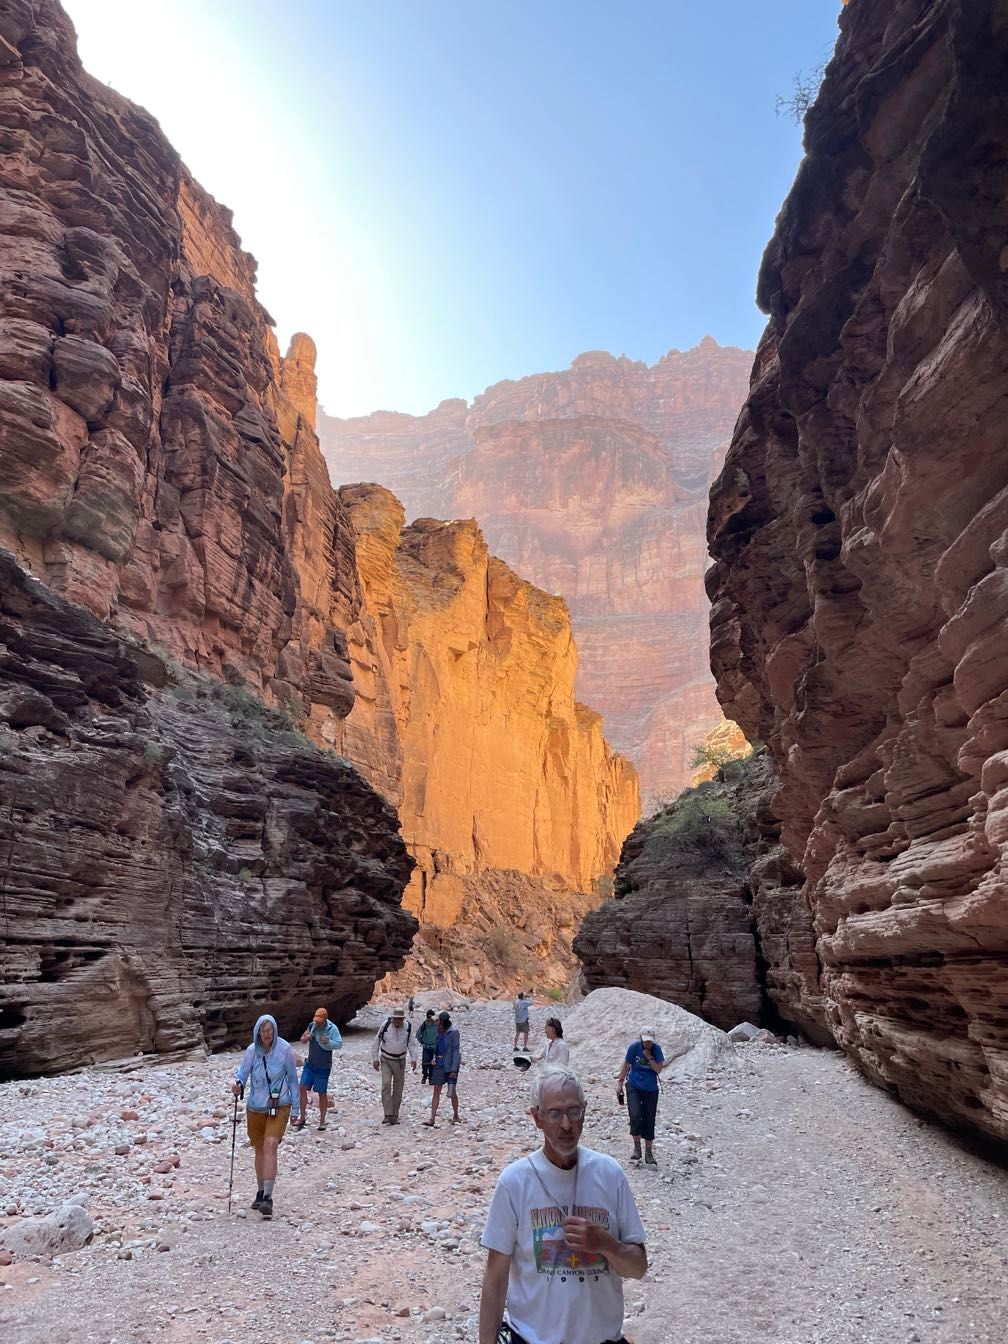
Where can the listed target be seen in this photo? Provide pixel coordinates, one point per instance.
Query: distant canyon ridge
(593, 484)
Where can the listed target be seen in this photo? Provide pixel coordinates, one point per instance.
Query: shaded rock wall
(592, 482)
(159, 467)
(157, 462)
(466, 717)
(173, 860)
(859, 531)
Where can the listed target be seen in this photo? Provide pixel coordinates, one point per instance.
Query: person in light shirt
(388, 1054)
(556, 1050)
(562, 1233)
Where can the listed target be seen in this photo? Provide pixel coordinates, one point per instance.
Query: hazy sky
(449, 193)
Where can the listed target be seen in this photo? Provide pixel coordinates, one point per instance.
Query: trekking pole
(234, 1131)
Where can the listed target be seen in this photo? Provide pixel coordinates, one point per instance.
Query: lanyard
(551, 1197)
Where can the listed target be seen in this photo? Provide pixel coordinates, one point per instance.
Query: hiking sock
(268, 1189)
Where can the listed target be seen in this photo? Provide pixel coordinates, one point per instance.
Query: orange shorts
(262, 1126)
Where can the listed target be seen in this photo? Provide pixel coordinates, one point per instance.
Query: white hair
(554, 1075)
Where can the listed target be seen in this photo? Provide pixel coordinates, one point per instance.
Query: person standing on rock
(445, 1070)
(643, 1063)
(269, 1071)
(427, 1037)
(561, 1235)
(556, 1050)
(323, 1038)
(391, 1046)
(521, 1015)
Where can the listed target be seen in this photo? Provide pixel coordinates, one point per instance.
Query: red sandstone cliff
(465, 716)
(157, 470)
(592, 482)
(859, 530)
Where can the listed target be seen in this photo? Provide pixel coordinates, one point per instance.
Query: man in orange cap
(323, 1038)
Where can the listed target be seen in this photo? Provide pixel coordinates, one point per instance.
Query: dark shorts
(313, 1080)
(440, 1079)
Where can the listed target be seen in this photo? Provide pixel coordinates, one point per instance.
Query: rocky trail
(794, 1204)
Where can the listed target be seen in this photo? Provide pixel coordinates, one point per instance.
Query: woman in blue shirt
(643, 1063)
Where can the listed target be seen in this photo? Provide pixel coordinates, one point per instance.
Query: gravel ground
(794, 1204)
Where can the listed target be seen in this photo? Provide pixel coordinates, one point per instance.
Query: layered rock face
(174, 861)
(859, 531)
(159, 468)
(465, 716)
(158, 462)
(592, 482)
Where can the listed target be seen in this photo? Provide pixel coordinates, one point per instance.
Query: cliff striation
(159, 469)
(174, 858)
(465, 716)
(859, 531)
(592, 482)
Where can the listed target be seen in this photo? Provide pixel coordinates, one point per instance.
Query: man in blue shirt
(323, 1038)
(643, 1063)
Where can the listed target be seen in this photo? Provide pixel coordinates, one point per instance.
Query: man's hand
(306, 1035)
(413, 1062)
(627, 1259)
(586, 1237)
(375, 1065)
(236, 1089)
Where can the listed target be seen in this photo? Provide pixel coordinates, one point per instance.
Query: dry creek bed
(794, 1204)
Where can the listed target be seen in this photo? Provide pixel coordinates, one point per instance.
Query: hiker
(427, 1038)
(643, 1063)
(323, 1038)
(269, 1068)
(556, 1050)
(521, 1014)
(391, 1046)
(562, 1233)
(445, 1070)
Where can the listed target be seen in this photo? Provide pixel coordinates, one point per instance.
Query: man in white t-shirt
(562, 1233)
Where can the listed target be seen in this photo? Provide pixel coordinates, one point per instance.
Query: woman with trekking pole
(269, 1070)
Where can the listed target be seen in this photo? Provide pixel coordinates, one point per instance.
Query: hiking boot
(266, 1206)
(393, 1119)
(649, 1159)
(258, 1199)
(636, 1155)
(387, 1120)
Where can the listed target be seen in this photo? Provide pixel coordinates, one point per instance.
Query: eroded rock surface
(158, 462)
(859, 529)
(593, 483)
(171, 858)
(466, 717)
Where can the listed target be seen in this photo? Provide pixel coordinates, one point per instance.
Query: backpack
(388, 1023)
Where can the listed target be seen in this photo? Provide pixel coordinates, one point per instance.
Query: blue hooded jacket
(277, 1066)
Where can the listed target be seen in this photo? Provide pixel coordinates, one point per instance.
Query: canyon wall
(175, 860)
(159, 468)
(157, 471)
(860, 536)
(592, 482)
(465, 677)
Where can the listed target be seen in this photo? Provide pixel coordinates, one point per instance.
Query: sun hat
(398, 1012)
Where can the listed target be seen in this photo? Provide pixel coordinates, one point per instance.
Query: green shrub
(698, 820)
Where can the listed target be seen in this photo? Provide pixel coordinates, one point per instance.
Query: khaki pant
(393, 1072)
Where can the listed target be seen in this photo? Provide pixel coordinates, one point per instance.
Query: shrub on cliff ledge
(699, 820)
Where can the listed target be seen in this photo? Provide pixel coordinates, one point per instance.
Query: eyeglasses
(555, 1115)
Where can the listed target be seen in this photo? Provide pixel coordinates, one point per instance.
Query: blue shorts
(315, 1081)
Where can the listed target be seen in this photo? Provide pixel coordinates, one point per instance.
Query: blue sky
(445, 194)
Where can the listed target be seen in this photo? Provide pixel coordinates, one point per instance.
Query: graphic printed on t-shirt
(551, 1251)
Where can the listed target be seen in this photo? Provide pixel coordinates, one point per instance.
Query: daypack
(388, 1023)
